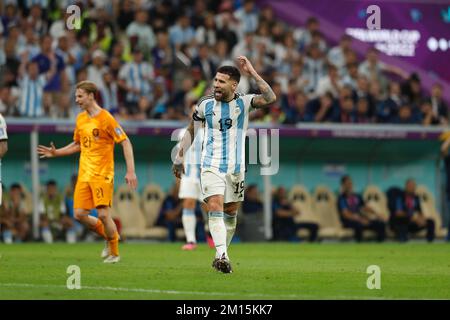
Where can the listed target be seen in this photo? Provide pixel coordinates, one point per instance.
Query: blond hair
(88, 87)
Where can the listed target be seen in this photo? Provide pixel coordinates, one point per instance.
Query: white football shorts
(190, 189)
(230, 185)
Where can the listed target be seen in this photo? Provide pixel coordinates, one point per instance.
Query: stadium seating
(428, 206)
(301, 200)
(324, 205)
(377, 200)
(151, 201)
(129, 211)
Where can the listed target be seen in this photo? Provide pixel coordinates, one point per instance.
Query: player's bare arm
(185, 143)
(267, 95)
(130, 177)
(3, 148)
(52, 152)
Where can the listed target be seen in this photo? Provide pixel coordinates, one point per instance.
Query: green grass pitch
(261, 271)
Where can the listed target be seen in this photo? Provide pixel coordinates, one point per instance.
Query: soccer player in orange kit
(95, 133)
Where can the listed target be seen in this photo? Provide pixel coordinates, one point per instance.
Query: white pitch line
(175, 292)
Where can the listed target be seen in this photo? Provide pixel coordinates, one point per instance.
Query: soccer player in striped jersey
(225, 116)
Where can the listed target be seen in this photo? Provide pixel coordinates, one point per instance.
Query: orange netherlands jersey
(96, 136)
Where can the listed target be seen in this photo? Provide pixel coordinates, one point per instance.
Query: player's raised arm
(52, 152)
(185, 143)
(130, 177)
(267, 95)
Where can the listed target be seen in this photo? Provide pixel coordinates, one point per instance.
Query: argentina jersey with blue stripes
(225, 129)
(192, 158)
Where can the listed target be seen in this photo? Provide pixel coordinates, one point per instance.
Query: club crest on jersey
(118, 131)
(95, 133)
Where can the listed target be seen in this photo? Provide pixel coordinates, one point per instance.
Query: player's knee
(189, 203)
(102, 213)
(80, 214)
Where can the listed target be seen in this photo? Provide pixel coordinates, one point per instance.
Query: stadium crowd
(154, 59)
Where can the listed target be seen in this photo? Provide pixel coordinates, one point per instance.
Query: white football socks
(189, 222)
(218, 232)
(230, 224)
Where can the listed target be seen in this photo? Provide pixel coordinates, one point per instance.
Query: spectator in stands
(350, 77)
(346, 111)
(252, 204)
(207, 33)
(312, 25)
(406, 115)
(135, 78)
(225, 31)
(362, 111)
(298, 112)
(428, 117)
(98, 67)
(14, 218)
(284, 226)
(387, 110)
(314, 68)
(143, 31)
(109, 93)
(412, 90)
(54, 222)
(408, 216)
(372, 68)
(204, 62)
(438, 105)
(336, 55)
(322, 108)
(356, 215)
(182, 32)
(170, 214)
(32, 85)
(329, 83)
(247, 17)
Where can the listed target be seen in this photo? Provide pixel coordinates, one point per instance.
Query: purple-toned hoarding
(414, 35)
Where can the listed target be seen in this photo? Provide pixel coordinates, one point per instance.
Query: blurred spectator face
(267, 13)
(15, 194)
(410, 186)
(249, 39)
(184, 21)
(415, 86)
(347, 105)
(115, 64)
(314, 51)
(36, 11)
(117, 50)
(375, 88)
(362, 107)
(187, 84)
(162, 39)
(372, 56)
(312, 24)
(63, 44)
(107, 78)
(52, 190)
(46, 44)
(138, 56)
(394, 88)
(209, 21)
(353, 70)
(14, 33)
(222, 48)
(4, 93)
(363, 84)
(252, 193)
(33, 70)
(333, 73)
(141, 17)
(10, 11)
(249, 6)
(143, 104)
(347, 185)
(300, 102)
(346, 92)
(29, 35)
(203, 52)
(436, 91)
(346, 42)
(426, 107)
(82, 75)
(404, 112)
(350, 57)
